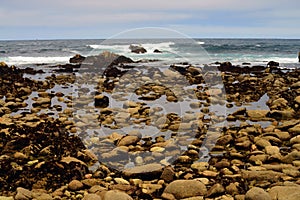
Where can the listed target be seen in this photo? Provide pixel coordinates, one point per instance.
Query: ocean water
(200, 51)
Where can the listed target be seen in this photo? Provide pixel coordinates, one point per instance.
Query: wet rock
(180, 189)
(116, 195)
(101, 101)
(137, 49)
(77, 59)
(257, 193)
(75, 185)
(285, 192)
(157, 51)
(273, 64)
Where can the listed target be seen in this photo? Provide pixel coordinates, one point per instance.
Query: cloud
(105, 17)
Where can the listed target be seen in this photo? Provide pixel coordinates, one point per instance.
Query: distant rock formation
(137, 49)
(78, 59)
(157, 51)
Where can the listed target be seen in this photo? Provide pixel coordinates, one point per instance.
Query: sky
(98, 19)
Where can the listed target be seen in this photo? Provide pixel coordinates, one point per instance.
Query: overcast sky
(59, 19)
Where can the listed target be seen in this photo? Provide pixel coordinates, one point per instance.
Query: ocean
(202, 51)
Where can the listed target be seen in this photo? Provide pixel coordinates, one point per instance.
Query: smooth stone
(180, 189)
(146, 171)
(257, 193)
(121, 181)
(128, 140)
(272, 150)
(285, 192)
(168, 174)
(116, 195)
(75, 185)
(297, 99)
(200, 166)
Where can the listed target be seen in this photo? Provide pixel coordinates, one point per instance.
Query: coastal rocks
(137, 49)
(180, 189)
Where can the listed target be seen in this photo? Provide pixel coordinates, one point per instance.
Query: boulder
(137, 49)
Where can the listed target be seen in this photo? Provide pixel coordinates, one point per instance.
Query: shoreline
(45, 151)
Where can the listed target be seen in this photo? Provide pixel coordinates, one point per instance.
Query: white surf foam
(21, 60)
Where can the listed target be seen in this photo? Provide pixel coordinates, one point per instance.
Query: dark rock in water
(104, 61)
(273, 64)
(101, 101)
(246, 63)
(226, 64)
(157, 51)
(113, 72)
(77, 59)
(67, 68)
(137, 49)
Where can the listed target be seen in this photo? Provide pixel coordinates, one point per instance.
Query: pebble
(128, 140)
(121, 181)
(181, 189)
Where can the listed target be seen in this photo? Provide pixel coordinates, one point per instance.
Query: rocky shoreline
(45, 153)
